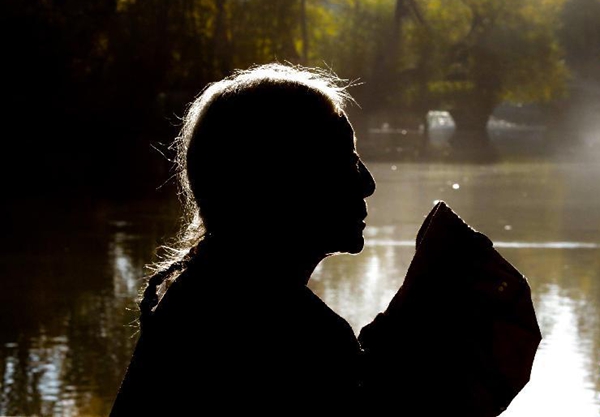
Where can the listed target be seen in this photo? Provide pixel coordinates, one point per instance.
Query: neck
(292, 262)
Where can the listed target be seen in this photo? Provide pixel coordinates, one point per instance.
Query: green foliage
(489, 51)
(411, 54)
(580, 35)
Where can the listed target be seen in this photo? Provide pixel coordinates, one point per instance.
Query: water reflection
(71, 273)
(126, 274)
(38, 371)
(359, 287)
(564, 377)
(68, 302)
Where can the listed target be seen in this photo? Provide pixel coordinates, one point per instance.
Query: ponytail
(150, 297)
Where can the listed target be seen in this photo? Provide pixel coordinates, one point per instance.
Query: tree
(350, 37)
(580, 35)
(464, 56)
(491, 51)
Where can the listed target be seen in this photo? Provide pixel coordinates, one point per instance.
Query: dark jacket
(219, 342)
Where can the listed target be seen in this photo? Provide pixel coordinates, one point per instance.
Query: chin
(352, 246)
(358, 246)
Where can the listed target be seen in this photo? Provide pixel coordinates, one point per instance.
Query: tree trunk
(386, 58)
(470, 140)
(470, 126)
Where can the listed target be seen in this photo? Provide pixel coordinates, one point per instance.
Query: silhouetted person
(272, 185)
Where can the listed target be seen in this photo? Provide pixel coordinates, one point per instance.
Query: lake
(71, 270)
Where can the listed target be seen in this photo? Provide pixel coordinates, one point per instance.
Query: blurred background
(490, 105)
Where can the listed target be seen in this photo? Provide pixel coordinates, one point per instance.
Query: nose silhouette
(367, 180)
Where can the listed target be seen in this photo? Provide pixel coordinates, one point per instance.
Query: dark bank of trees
(112, 75)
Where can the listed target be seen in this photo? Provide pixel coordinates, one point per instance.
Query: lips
(363, 211)
(357, 214)
(362, 215)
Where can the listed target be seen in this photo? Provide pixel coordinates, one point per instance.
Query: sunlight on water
(125, 272)
(560, 382)
(45, 367)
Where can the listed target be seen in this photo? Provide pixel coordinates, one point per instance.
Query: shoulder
(323, 311)
(308, 314)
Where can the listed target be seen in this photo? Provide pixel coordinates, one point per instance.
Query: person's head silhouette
(269, 153)
(268, 163)
(272, 184)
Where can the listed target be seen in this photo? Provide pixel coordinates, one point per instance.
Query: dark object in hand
(460, 336)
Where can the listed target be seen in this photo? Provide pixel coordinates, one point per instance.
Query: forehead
(339, 134)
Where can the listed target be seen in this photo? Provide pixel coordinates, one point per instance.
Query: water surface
(71, 270)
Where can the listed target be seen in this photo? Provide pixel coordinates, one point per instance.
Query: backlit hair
(319, 83)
